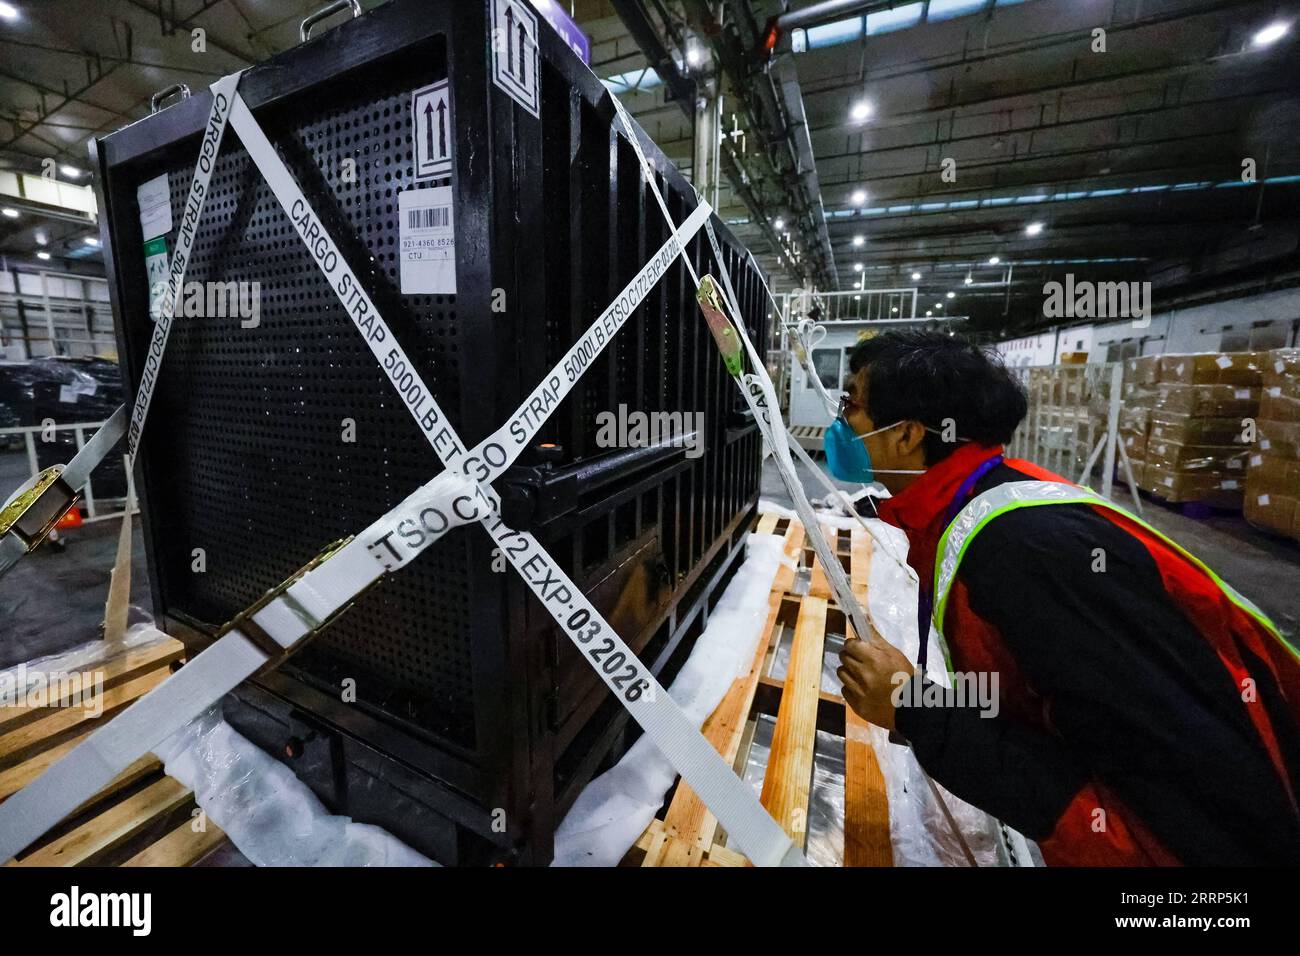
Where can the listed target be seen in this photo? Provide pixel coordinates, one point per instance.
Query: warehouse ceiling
(1128, 162)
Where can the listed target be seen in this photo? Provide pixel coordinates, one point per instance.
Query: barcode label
(435, 217)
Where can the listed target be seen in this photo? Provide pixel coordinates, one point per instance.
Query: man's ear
(911, 435)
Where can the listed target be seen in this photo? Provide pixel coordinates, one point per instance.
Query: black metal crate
(468, 698)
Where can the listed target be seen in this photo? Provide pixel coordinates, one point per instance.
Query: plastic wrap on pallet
(268, 813)
(79, 659)
(616, 807)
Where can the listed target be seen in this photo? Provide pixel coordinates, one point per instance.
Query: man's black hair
(931, 377)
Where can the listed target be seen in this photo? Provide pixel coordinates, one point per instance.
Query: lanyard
(925, 596)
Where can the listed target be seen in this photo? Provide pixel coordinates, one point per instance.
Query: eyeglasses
(845, 405)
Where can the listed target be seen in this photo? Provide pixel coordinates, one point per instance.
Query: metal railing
(21, 441)
(1072, 424)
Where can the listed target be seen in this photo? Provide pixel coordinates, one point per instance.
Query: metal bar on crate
(1112, 428)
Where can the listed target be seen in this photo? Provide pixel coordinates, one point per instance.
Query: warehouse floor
(1262, 567)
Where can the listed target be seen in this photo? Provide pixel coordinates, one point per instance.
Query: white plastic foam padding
(616, 807)
(268, 813)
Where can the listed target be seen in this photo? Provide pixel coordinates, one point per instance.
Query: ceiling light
(895, 310)
(11, 212)
(694, 55)
(969, 280)
(91, 241)
(916, 277)
(994, 260)
(1033, 229)
(952, 295)
(859, 240)
(72, 172)
(857, 267)
(41, 237)
(1271, 34)
(928, 313)
(857, 298)
(43, 256)
(938, 305)
(8, 11)
(779, 224)
(859, 197)
(862, 109)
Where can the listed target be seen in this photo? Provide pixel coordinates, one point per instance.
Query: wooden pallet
(143, 817)
(687, 834)
(810, 437)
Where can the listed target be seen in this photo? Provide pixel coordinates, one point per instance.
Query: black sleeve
(1136, 695)
(1021, 776)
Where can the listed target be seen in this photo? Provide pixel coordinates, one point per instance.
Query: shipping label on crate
(515, 62)
(428, 241)
(431, 121)
(155, 200)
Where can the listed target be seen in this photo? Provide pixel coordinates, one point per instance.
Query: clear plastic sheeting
(84, 657)
(268, 813)
(616, 807)
(918, 829)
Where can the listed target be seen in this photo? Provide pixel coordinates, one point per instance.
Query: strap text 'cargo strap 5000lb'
(32, 511)
(240, 653)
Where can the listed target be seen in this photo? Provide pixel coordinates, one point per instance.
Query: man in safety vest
(1147, 713)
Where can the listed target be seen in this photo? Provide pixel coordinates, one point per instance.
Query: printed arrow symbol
(523, 63)
(442, 129)
(428, 128)
(510, 38)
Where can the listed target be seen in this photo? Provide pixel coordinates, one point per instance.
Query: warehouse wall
(1269, 320)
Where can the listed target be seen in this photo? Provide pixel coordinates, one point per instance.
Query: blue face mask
(847, 456)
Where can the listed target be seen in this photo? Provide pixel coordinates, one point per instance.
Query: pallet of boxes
(1273, 471)
(1184, 424)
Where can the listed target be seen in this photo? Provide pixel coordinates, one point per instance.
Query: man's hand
(867, 670)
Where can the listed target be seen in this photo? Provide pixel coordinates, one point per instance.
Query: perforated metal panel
(244, 454)
(259, 471)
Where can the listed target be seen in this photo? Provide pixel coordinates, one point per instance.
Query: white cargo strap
(77, 472)
(223, 92)
(73, 477)
(307, 603)
(725, 794)
(766, 411)
(257, 639)
(223, 96)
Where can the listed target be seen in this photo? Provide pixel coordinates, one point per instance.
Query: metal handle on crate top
(165, 93)
(304, 28)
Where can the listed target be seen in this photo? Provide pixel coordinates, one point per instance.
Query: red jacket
(1144, 717)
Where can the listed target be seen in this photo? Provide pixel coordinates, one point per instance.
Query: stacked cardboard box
(1273, 471)
(1183, 424)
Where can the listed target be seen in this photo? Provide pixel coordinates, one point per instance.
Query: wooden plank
(723, 856)
(690, 827)
(111, 828)
(866, 804)
(28, 738)
(793, 543)
(113, 672)
(181, 847)
(767, 523)
(789, 769)
(859, 562)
